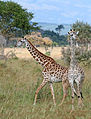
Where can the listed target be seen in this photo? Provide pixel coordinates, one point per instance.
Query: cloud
(58, 10)
(48, 7)
(83, 6)
(66, 2)
(70, 14)
(33, 6)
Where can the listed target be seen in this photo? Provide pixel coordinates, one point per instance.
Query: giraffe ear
(68, 33)
(77, 32)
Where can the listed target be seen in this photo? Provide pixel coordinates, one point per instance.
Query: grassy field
(19, 80)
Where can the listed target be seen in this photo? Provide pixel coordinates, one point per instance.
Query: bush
(66, 55)
(82, 55)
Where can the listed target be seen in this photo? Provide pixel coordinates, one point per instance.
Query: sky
(58, 11)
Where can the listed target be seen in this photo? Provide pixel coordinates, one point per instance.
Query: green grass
(19, 80)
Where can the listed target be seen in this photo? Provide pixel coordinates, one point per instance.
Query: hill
(51, 27)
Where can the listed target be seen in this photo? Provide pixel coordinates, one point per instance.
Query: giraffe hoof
(71, 111)
(34, 103)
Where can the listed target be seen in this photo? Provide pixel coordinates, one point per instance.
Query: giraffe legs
(73, 92)
(72, 102)
(65, 85)
(38, 89)
(52, 92)
(80, 104)
(79, 94)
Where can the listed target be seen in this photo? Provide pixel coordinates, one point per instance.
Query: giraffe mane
(41, 52)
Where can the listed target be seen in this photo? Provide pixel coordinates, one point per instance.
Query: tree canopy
(59, 28)
(15, 20)
(84, 31)
(37, 39)
(55, 37)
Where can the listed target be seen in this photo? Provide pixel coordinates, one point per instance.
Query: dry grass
(18, 82)
(22, 53)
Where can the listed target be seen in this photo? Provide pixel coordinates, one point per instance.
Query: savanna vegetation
(19, 80)
(58, 40)
(59, 28)
(84, 36)
(37, 39)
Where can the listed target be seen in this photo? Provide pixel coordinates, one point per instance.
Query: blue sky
(58, 11)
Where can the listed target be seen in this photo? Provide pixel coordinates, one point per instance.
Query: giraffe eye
(71, 34)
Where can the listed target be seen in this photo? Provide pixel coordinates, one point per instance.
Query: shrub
(82, 55)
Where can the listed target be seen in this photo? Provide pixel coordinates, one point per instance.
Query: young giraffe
(75, 72)
(52, 71)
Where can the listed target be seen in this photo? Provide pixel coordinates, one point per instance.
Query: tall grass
(19, 80)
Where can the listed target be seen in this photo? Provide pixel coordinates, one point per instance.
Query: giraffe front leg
(38, 89)
(81, 94)
(80, 103)
(72, 102)
(73, 92)
(52, 92)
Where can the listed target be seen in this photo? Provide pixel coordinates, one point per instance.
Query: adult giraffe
(52, 72)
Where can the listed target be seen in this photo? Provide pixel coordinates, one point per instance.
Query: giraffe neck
(73, 57)
(37, 55)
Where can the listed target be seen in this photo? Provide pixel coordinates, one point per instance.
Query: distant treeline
(55, 37)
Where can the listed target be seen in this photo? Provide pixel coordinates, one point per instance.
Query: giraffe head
(22, 41)
(73, 34)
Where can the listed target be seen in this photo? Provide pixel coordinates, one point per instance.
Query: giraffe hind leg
(81, 90)
(80, 104)
(81, 94)
(52, 92)
(65, 85)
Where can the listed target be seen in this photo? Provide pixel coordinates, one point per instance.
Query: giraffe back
(55, 72)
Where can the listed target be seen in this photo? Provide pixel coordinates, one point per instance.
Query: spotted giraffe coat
(52, 71)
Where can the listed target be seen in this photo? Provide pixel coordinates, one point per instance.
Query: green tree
(15, 20)
(84, 31)
(59, 28)
(55, 37)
